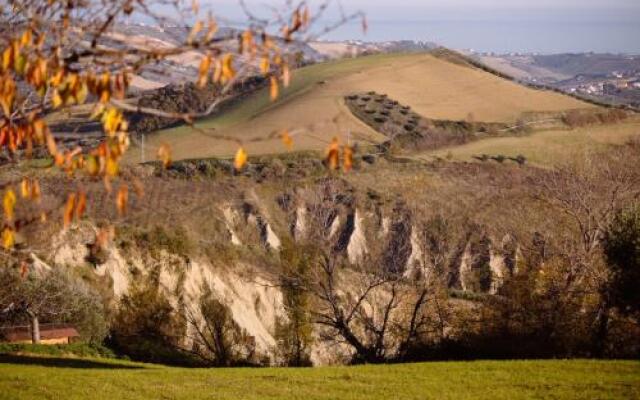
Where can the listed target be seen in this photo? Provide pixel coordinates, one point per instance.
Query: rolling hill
(313, 109)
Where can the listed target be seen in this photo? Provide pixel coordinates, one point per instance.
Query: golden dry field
(313, 110)
(550, 147)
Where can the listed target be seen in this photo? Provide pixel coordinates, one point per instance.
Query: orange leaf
(348, 159)
(333, 154)
(286, 75)
(240, 159)
(82, 205)
(68, 210)
(275, 88)
(287, 140)
(122, 199)
(35, 191)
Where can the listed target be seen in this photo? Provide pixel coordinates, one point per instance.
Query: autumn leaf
(197, 27)
(264, 65)
(56, 99)
(275, 89)
(9, 203)
(333, 154)
(69, 208)
(347, 164)
(92, 165)
(35, 191)
(112, 167)
(164, 155)
(286, 75)
(51, 145)
(240, 159)
(228, 71)
(81, 205)
(122, 199)
(287, 140)
(24, 269)
(25, 188)
(8, 238)
(203, 73)
(112, 121)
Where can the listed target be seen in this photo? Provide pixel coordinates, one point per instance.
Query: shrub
(622, 249)
(147, 327)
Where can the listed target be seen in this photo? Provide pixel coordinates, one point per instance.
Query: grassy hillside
(544, 147)
(314, 107)
(41, 378)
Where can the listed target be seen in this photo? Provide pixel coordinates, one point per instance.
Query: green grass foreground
(55, 378)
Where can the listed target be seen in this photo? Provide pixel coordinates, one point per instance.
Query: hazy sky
(489, 25)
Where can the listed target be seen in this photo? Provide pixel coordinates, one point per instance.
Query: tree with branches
(60, 55)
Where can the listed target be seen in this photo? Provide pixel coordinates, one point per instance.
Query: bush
(175, 242)
(147, 327)
(622, 249)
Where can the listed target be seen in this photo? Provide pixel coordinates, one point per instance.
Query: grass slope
(49, 378)
(313, 105)
(545, 147)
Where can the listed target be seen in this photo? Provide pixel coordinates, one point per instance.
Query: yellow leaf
(9, 203)
(92, 165)
(264, 65)
(228, 72)
(56, 99)
(112, 167)
(240, 159)
(7, 57)
(25, 188)
(8, 238)
(112, 121)
(203, 74)
(26, 38)
(164, 154)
